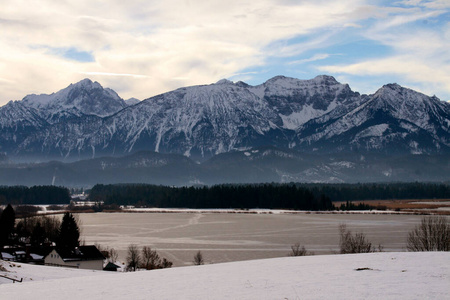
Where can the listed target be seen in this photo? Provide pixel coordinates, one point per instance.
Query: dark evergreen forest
(282, 196)
(272, 196)
(380, 191)
(34, 195)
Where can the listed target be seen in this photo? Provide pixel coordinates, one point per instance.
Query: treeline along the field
(380, 191)
(34, 195)
(288, 196)
(219, 196)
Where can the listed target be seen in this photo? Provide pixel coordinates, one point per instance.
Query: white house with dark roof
(82, 257)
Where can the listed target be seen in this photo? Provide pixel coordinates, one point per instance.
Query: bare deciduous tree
(198, 259)
(358, 243)
(297, 250)
(133, 257)
(432, 234)
(110, 254)
(165, 264)
(113, 255)
(151, 259)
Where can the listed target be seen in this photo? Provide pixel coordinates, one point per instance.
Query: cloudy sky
(143, 48)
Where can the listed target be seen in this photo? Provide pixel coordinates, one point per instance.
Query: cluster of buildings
(82, 257)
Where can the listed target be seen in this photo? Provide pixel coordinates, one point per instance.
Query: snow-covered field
(396, 275)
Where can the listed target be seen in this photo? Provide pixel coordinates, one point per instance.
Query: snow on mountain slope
(204, 119)
(418, 275)
(393, 117)
(298, 101)
(16, 123)
(16, 115)
(82, 98)
(321, 114)
(428, 113)
(210, 119)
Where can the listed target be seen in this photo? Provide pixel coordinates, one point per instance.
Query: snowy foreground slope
(386, 275)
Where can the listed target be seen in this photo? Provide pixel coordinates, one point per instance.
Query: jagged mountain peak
(325, 79)
(224, 81)
(86, 83)
(278, 78)
(391, 89)
(82, 98)
(132, 101)
(318, 114)
(394, 94)
(312, 90)
(320, 79)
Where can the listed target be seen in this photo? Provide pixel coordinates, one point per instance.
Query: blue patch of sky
(343, 46)
(70, 53)
(335, 48)
(74, 54)
(356, 51)
(438, 23)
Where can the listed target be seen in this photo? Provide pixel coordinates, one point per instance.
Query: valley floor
(386, 275)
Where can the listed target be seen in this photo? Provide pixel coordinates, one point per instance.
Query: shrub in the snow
(432, 234)
(357, 243)
(297, 250)
(198, 259)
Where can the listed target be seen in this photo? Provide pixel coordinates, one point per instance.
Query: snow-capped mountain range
(319, 115)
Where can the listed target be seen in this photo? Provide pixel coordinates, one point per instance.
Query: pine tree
(38, 235)
(69, 233)
(7, 221)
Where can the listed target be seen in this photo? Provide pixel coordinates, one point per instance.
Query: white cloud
(402, 19)
(418, 55)
(114, 74)
(142, 48)
(424, 77)
(197, 41)
(437, 4)
(315, 57)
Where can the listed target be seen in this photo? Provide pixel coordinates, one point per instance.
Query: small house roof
(80, 253)
(6, 255)
(111, 267)
(36, 256)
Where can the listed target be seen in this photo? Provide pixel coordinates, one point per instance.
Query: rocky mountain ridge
(79, 99)
(319, 115)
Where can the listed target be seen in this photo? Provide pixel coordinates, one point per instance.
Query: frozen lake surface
(224, 237)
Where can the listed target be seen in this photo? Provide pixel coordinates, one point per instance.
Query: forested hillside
(283, 196)
(34, 195)
(380, 191)
(219, 196)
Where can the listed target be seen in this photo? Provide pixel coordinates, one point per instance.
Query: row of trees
(39, 230)
(360, 206)
(34, 195)
(288, 196)
(273, 196)
(147, 259)
(380, 191)
(432, 234)
(225, 196)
